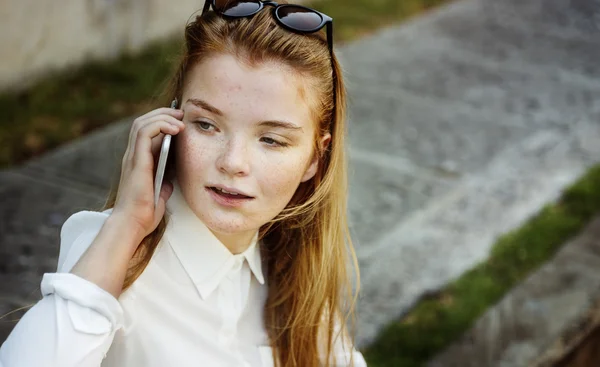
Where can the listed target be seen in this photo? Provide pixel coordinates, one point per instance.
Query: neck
(236, 243)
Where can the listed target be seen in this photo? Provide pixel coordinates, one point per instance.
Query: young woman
(244, 261)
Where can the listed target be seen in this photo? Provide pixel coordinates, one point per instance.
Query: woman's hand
(135, 197)
(134, 216)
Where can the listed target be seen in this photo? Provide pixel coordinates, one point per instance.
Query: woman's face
(234, 138)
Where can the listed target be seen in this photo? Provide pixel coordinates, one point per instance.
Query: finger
(140, 124)
(165, 193)
(157, 144)
(163, 111)
(141, 121)
(170, 119)
(142, 156)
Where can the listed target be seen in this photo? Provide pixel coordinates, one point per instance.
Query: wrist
(128, 234)
(107, 259)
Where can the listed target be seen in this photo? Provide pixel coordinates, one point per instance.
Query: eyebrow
(270, 123)
(281, 124)
(205, 105)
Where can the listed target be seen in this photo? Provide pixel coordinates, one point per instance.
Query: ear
(314, 164)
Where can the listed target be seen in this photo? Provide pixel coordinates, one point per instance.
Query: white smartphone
(162, 161)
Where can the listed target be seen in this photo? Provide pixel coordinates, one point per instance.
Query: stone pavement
(543, 319)
(463, 123)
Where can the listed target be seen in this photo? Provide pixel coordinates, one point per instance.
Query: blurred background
(474, 145)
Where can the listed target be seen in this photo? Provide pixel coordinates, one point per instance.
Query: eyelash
(276, 142)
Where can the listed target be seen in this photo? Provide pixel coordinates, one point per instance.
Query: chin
(229, 223)
(225, 220)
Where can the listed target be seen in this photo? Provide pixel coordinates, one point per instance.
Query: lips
(231, 193)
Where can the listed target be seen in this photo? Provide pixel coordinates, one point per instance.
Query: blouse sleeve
(343, 353)
(75, 321)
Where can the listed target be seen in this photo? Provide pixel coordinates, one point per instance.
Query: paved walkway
(541, 320)
(463, 123)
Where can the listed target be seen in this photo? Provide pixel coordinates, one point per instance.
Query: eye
(274, 143)
(203, 125)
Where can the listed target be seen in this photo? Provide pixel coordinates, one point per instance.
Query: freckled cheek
(281, 178)
(194, 153)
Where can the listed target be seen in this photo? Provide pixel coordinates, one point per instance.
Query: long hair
(307, 246)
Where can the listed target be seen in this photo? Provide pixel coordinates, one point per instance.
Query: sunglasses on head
(296, 18)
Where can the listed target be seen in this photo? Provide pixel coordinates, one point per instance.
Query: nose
(233, 159)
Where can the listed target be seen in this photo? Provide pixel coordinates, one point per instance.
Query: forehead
(268, 90)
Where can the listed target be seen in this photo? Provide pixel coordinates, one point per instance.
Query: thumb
(165, 193)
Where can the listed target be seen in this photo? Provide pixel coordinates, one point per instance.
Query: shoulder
(343, 351)
(76, 235)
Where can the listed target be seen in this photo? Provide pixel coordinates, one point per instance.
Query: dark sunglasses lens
(299, 18)
(234, 8)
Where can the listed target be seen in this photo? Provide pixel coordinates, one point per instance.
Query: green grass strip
(438, 320)
(67, 105)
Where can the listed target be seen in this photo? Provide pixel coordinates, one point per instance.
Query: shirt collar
(202, 255)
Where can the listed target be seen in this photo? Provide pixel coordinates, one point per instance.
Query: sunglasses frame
(326, 21)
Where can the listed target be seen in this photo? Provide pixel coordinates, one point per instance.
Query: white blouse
(195, 304)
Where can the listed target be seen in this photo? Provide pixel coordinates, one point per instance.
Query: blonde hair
(307, 246)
